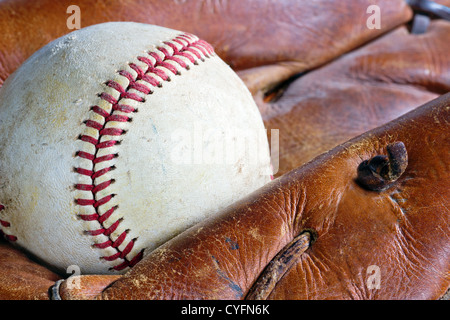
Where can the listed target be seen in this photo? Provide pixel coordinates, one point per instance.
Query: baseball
(119, 136)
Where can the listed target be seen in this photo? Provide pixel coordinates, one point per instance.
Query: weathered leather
(81, 287)
(285, 37)
(281, 42)
(403, 230)
(22, 278)
(359, 91)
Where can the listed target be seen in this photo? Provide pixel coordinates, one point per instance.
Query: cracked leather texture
(323, 79)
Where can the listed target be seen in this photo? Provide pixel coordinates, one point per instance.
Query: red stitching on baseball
(101, 172)
(136, 68)
(106, 144)
(141, 88)
(89, 139)
(133, 261)
(108, 157)
(84, 172)
(111, 132)
(113, 257)
(100, 111)
(151, 80)
(119, 239)
(192, 49)
(179, 61)
(8, 237)
(93, 124)
(123, 108)
(6, 224)
(85, 155)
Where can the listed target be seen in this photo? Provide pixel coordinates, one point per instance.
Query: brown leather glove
(265, 58)
(321, 231)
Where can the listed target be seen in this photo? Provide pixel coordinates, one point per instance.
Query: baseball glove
(359, 206)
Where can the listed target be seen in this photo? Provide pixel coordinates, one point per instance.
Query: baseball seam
(155, 69)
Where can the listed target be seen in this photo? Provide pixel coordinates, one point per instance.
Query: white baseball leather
(92, 176)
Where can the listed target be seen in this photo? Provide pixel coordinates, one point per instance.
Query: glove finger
(307, 33)
(358, 92)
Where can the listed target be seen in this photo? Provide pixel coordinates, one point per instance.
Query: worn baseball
(116, 138)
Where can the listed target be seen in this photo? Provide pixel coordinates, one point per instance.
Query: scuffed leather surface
(245, 34)
(83, 287)
(403, 230)
(247, 37)
(22, 278)
(359, 91)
